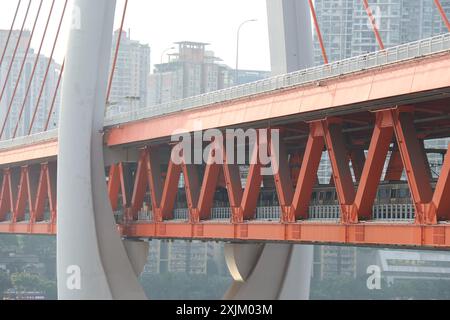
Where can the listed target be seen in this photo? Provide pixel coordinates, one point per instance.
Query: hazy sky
(162, 22)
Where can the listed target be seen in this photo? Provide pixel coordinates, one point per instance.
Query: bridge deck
(415, 74)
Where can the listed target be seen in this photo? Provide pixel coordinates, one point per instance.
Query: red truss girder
(297, 176)
(28, 187)
(31, 186)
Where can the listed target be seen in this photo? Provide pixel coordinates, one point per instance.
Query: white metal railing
(388, 56)
(268, 213)
(394, 212)
(145, 215)
(221, 214)
(181, 214)
(324, 212)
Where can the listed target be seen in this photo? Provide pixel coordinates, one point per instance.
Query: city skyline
(14, 93)
(218, 27)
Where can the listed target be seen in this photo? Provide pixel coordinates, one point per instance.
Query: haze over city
(143, 162)
(161, 23)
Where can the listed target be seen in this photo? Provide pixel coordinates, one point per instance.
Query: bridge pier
(269, 272)
(92, 260)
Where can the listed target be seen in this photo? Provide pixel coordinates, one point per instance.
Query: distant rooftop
(192, 43)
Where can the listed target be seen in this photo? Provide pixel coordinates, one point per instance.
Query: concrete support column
(92, 262)
(290, 35)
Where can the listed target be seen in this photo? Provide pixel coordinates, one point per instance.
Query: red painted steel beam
(6, 203)
(373, 168)
(22, 196)
(50, 175)
(234, 188)
(308, 171)
(295, 163)
(42, 194)
(414, 162)
(252, 188)
(170, 191)
(114, 186)
(343, 180)
(155, 181)
(283, 182)
(440, 205)
(209, 185)
(34, 172)
(387, 235)
(140, 186)
(192, 187)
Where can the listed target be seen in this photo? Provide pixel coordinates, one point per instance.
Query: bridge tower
(277, 271)
(92, 260)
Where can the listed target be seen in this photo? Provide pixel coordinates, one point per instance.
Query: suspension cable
(50, 60)
(36, 62)
(318, 32)
(374, 25)
(54, 98)
(15, 51)
(19, 76)
(442, 13)
(116, 54)
(10, 32)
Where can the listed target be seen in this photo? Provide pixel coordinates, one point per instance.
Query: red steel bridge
(372, 114)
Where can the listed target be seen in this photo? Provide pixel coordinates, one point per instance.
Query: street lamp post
(161, 74)
(237, 48)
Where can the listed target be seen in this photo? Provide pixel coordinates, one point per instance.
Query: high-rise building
(17, 99)
(130, 82)
(247, 76)
(330, 262)
(177, 257)
(191, 257)
(192, 71)
(347, 31)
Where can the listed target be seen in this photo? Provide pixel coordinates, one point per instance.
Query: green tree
(31, 282)
(26, 281)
